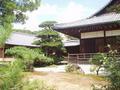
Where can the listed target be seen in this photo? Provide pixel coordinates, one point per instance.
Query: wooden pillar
(80, 42)
(68, 58)
(105, 42)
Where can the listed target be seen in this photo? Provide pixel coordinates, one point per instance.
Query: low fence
(83, 58)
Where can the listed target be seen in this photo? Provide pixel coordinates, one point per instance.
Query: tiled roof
(22, 39)
(105, 18)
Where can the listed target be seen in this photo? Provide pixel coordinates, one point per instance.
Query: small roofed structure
(19, 39)
(25, 39)
(95, 32)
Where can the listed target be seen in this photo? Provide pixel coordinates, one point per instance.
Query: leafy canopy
(47, 24)
(12, 11)
(114, 8)
(29, 56)
(49, 38)
(50, 41)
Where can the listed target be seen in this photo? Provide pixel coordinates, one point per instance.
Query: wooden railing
(83, 58)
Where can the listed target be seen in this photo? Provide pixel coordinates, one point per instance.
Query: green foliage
(22, 53)
(111, 63)
(47, 24)
(4, 34)
(26, 55)
(13, 11)
(50, 41)
(72, 68)
(114, 8)
(29, 56)
(42, 60)
(98, 60)
(49, 38)
(10, 76)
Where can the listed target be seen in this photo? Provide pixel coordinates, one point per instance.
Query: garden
(20, 74)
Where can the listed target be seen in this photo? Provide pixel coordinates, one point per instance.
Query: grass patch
(95, 77)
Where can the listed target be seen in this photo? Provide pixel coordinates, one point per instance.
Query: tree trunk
(97, 71)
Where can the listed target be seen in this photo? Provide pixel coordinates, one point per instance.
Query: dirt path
(67, 81)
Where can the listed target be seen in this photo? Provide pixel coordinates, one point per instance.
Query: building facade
(97, 31)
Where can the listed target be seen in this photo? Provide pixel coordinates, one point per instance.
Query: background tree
(114, 8)
(29, 57)
(50, 41)
(13, 11)
(98, 61)
(47, 24)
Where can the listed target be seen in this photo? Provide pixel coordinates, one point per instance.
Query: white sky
(72, 11)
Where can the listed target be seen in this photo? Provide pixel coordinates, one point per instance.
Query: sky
(62, 11)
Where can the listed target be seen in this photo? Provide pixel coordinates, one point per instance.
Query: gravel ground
(59, 68)
(86, 68)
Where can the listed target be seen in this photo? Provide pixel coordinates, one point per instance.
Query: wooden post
(105, 43)
(68, 58)
(80, 42)
(77, 59)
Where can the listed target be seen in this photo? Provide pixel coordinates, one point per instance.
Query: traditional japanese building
(19, 39)
(97, 31)
(94, 33)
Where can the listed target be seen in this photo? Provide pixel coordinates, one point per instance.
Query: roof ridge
(95, 14)
(88, 16)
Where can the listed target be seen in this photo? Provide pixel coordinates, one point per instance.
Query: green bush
(25, 55)
(111, 64)
(10, 76)
(72, 68)
(42, 60)
(29, 57)
(98, 60)
(22, 53)
(57, 59)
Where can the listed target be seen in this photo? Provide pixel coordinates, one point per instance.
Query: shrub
(11, 76)
(29, 57)
(98, 60)
(111, 63)
(25, 55)
(42, 60)
(72, 68)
